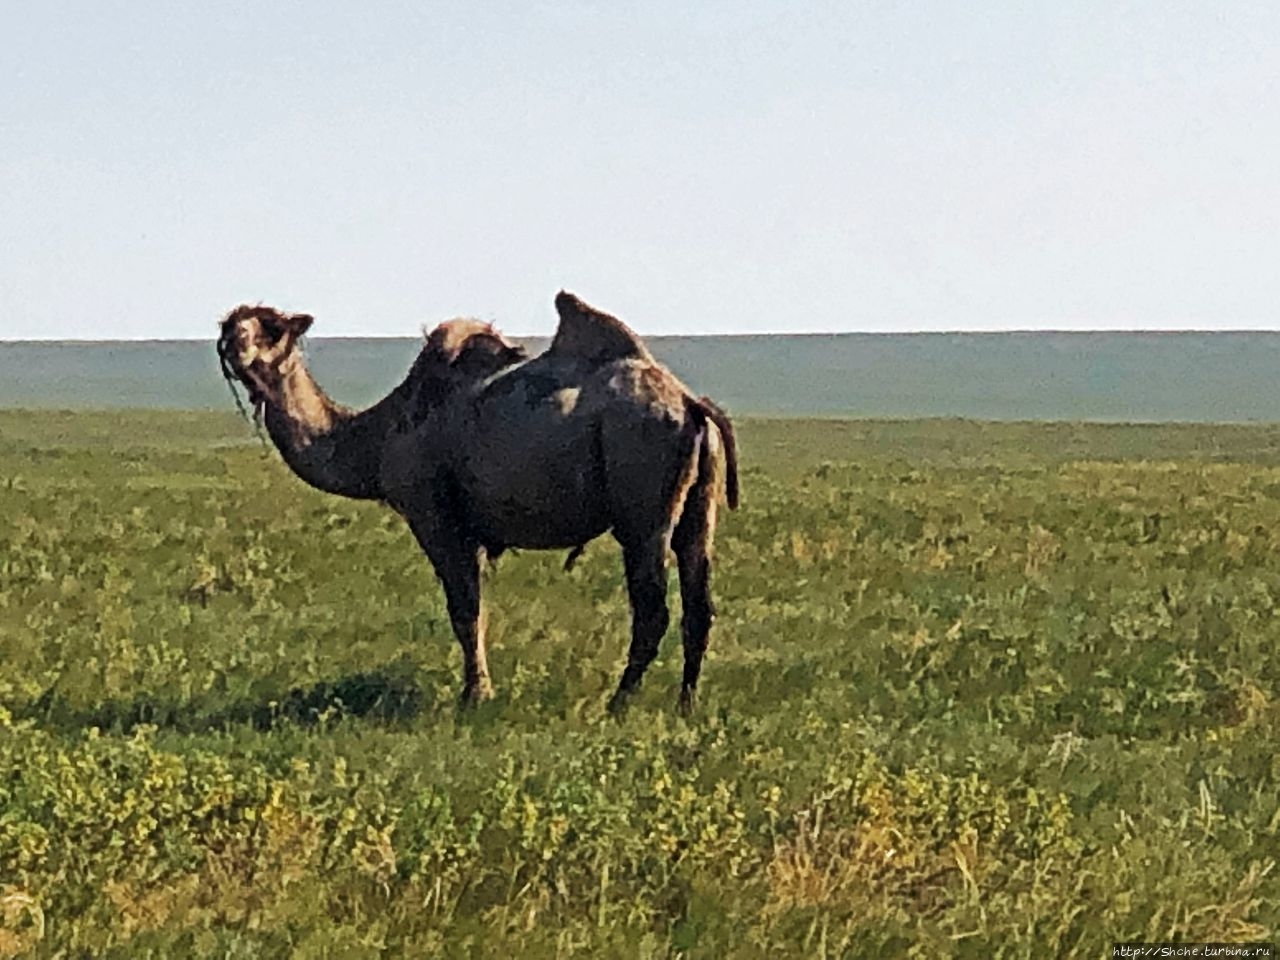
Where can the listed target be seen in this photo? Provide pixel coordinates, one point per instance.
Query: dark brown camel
(480, 449)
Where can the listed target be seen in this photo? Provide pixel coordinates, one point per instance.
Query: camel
(482, 448)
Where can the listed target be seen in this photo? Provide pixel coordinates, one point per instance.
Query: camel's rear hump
(592, 335)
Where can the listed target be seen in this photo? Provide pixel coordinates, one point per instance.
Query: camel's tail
(705, 407)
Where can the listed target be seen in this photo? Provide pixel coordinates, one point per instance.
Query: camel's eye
(272, 330)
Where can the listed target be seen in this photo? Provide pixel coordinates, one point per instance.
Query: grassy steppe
(980, 690)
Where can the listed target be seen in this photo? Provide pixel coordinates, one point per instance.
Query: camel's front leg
(461, 579)
(457, 565)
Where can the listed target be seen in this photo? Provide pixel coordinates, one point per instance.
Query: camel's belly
(544, 515)
(538, 484)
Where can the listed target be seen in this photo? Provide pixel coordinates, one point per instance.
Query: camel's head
(255, 345)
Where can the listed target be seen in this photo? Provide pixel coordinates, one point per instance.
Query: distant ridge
(1140, 375)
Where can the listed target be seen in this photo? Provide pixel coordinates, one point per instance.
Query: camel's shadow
(390, 694)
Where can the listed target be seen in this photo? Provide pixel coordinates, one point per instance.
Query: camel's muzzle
(233, 362)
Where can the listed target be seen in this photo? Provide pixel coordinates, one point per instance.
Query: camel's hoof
(475, 695)
(618, 702)
(688, 702)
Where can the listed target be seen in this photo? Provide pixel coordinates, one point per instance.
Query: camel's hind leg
(651, 464)
(646, 569)
(692, 545)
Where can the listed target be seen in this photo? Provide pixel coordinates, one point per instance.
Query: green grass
(975, 690)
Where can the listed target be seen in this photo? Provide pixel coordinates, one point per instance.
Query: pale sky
(695, 167)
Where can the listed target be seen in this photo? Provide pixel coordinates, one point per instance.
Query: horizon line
(955, 331)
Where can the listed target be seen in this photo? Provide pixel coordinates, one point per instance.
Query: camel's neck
(330, 447)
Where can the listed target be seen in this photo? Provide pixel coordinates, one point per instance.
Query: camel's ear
(485, 353)
(297, 323)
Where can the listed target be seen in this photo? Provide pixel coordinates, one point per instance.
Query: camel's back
(557, 392)
(530, 446)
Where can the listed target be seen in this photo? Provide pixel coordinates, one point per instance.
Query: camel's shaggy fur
(481, 449)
